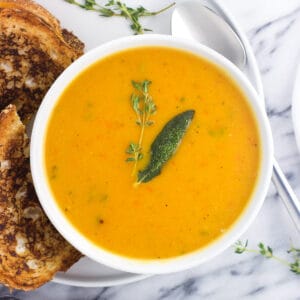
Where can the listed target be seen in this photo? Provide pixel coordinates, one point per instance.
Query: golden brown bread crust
(73, 41)
(33, 8)
(31, 250)
(47, 18)
(34, 50)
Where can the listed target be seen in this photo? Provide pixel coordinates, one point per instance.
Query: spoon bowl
(193, 20)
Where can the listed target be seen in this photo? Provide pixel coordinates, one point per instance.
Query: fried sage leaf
(166, 144)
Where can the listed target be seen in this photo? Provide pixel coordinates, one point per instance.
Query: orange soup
(202, 184)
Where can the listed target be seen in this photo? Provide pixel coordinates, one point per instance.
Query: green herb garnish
(53, 172)
(165, 145)
(115, 8)
(267, 252)
(144, 107)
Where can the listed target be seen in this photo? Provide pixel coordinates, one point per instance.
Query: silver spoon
(193, 20)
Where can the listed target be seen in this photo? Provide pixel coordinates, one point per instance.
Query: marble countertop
(272, 27)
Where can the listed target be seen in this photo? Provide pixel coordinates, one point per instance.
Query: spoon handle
(286, 194)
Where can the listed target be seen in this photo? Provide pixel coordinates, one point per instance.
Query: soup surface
(202, 189)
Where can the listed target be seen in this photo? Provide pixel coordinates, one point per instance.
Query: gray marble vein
(273, 29)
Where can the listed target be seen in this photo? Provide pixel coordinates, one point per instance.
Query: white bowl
(101, 255)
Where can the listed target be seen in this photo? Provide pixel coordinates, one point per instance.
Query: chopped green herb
(53, 172)
(204, 233)
(217, 132)
(103, 197)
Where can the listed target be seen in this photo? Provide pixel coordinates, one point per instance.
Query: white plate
(296, 108)
(87, 273)
(93, 31)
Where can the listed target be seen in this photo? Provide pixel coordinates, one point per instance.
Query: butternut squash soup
(152, 152)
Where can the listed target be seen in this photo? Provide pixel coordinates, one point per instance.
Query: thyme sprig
(115, 8)
(144, 107)
(267, 252)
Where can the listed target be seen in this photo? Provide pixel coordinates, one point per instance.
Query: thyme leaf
(114, 8)
(144, 107)
(240, 247)
(267, 252)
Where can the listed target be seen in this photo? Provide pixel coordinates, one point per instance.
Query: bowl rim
(135, 265)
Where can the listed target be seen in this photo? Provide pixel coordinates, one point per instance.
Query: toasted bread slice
(47, 18)
(33, 8)
(33, 52)
(31, 250)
